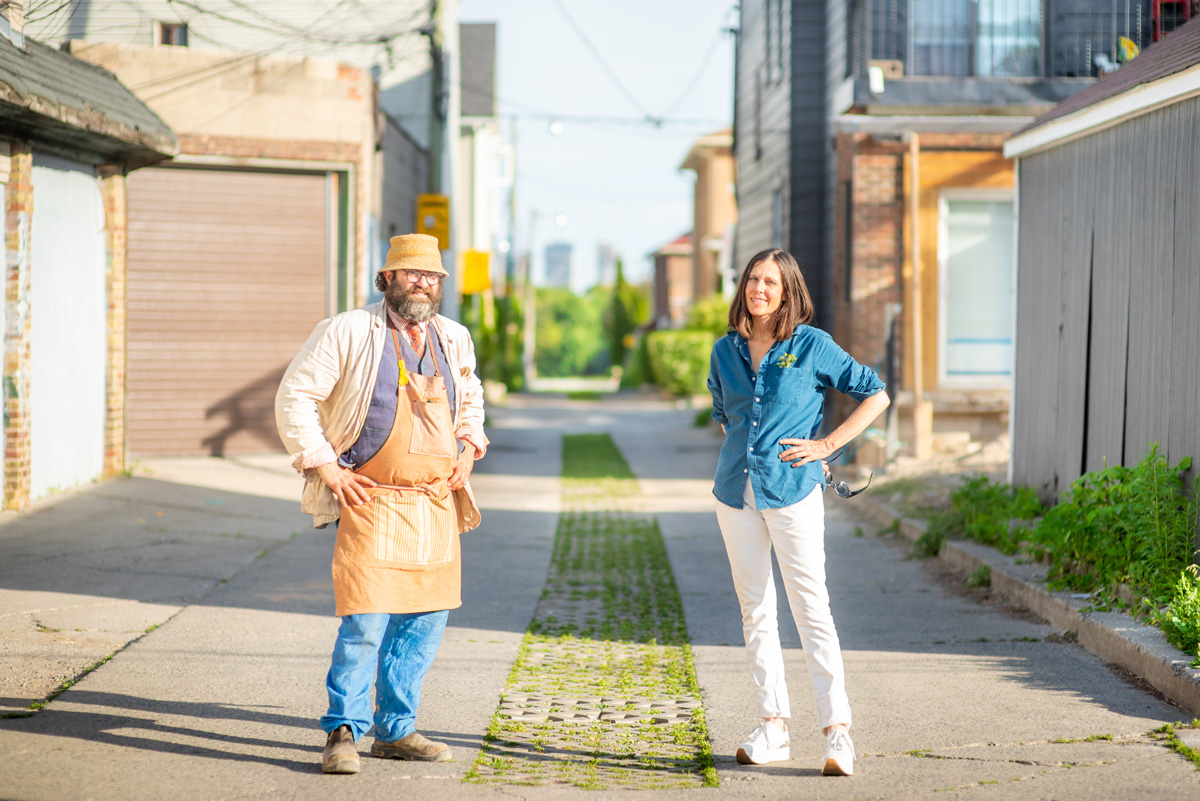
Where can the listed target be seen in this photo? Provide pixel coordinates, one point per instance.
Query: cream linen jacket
(322, 401)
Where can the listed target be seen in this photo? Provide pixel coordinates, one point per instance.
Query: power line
(612, 76)
(296, 33)
(704, 62)
(278, 81)
(528, 112)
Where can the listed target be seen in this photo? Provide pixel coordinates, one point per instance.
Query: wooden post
(922, 409)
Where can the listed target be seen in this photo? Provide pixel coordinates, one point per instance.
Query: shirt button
(752, 450)
(756, 400)
(745, 471)
(754, 423)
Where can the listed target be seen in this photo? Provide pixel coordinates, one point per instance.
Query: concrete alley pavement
(222, 588)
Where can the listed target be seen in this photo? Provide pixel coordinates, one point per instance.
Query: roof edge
(1135, 102)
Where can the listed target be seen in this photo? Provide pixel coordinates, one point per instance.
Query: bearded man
(382, 413)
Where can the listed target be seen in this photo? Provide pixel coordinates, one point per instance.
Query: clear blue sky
(615, 183)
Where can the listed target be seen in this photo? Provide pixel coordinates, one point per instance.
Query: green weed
(982, 577)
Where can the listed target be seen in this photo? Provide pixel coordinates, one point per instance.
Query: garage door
(227, 277)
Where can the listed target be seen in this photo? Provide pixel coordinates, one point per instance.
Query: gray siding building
(1108, 285)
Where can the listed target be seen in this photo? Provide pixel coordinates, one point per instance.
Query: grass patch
(1166, 734)
(584, 395)
(608, 640)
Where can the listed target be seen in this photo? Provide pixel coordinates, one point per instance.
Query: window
(984, 38)
(777, 219)
(769, 28)
(779, 6)
(1008, 43)
(173, 33)
(773, 38)
(975, 288)
(758, 103)
(942, 37)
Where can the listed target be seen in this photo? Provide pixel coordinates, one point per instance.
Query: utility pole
(444, 132)
(528, 362)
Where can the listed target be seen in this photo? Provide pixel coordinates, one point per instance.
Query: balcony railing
(994, 38)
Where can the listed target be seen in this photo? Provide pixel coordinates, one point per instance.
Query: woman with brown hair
(768, 377)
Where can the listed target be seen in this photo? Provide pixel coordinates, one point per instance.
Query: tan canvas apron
(399, 552)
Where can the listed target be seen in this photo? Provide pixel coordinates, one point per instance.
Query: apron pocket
(412, 528)
(432, 429)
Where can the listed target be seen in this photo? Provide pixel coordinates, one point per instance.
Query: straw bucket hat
(414, 252)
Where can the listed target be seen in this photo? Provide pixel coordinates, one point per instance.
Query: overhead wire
(700, 71)
(288, 31)
(260, 90)
(612, 76)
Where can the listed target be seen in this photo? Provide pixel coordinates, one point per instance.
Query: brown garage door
(227, 277)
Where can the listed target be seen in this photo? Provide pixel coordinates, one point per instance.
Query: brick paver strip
(603, 694)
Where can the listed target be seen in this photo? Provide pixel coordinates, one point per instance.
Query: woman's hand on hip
(349, 487)
(803, 451)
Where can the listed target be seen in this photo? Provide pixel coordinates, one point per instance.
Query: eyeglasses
(417, 276)
(841, 487)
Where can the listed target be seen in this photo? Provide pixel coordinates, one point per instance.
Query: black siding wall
(813, 38)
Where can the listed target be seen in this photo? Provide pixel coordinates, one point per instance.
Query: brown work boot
(340, 754)
(414, 746)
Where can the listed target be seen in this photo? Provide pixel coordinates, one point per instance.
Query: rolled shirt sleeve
(837, 369)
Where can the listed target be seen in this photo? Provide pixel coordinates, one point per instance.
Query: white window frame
(944, 198)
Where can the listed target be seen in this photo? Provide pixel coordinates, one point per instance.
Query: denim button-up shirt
(784, 399)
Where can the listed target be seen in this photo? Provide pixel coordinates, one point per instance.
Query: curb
(1115, 637)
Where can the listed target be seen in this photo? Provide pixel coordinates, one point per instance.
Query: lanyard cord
(420, 356)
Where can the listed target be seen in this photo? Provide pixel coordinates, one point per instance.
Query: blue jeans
(393, 650)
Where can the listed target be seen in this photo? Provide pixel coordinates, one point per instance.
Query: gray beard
(411, 308)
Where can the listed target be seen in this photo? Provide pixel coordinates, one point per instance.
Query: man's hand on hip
(349, 487)
(462, 468)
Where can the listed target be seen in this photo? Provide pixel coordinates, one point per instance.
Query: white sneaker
(767, 743)
(839, 754)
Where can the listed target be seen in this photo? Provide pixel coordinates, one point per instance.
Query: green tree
(628, 309)
(498, 347)
(570, 333)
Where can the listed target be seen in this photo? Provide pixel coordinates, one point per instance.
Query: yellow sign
(433, 218)
(476, 276)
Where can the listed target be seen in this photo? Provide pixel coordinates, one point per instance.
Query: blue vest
(382, 412)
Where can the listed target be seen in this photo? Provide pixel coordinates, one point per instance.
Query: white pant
(797, 533)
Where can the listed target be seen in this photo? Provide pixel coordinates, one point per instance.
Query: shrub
(983, 512)
(710, 314)
(679, 360)
(637, 366)
(1135, 526)
(1180, 621)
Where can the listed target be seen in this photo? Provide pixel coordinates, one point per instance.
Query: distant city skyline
(559, 260)
(600, 134)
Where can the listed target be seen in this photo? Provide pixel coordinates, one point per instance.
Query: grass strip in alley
(603, 694)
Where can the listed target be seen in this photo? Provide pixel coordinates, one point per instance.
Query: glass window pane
(979, 293)
(1009, 41)
(942, 37)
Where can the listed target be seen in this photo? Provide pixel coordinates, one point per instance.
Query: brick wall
(113, 190)
(872, 171)
(18, 216)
